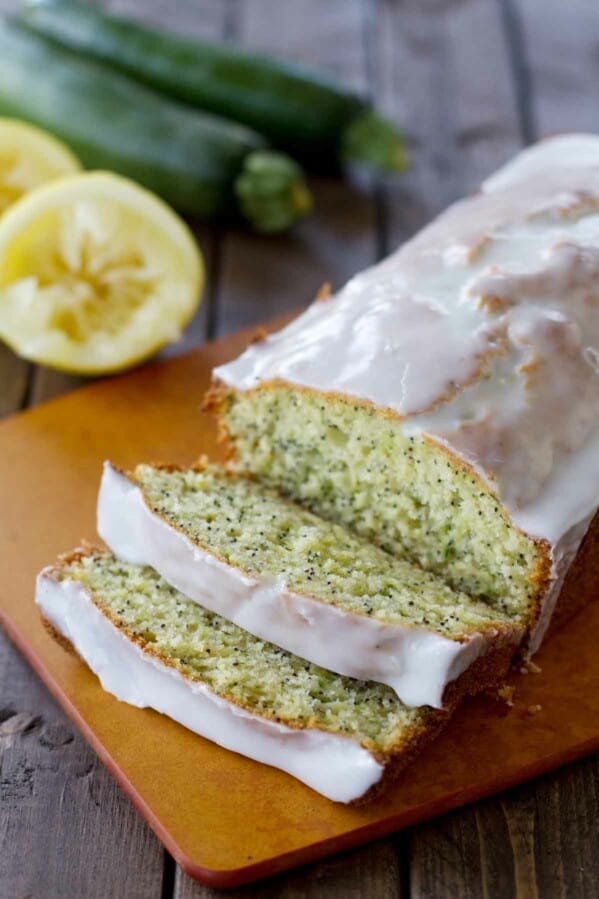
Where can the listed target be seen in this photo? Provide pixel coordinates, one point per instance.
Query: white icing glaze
(339, 768)
(562, 556)
(493, 287)
(483, 333)
(417, 663)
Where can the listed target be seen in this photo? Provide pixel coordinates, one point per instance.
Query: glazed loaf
(445, 403)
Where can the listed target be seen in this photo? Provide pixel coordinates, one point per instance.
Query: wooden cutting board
(226, 819)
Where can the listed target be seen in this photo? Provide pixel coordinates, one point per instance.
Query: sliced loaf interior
(354, 464)
(281, 698)
(311, 587)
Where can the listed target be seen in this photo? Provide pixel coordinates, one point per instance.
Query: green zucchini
(299, 110)
(199, 163)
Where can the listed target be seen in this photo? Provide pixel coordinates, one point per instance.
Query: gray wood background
(469, 81)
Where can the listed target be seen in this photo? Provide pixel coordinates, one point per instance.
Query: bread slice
(152, 647)
(355, 465)
(311, 587)
(445, 403)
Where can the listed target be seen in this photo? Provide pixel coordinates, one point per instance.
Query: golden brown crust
(84, 549)
(259, 335)
(60, 638)
(487, 672)
(215, 401)
(324, 292)
(489, 669)
(395, 762)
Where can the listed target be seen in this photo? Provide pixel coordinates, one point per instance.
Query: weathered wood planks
(66, 829)
(261, 277)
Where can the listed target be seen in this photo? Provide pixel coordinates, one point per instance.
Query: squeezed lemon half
(96, 274)
(29, 157)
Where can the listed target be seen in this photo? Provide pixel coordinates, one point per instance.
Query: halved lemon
(96, 274)
(29, 157)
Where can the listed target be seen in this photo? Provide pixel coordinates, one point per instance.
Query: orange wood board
(226, 819)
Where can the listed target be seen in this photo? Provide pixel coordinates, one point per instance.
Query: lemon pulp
(96, 274)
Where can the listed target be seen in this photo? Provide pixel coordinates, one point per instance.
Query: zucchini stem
(374, 141)
(272, 192)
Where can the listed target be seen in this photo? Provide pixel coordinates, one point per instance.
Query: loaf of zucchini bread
(414, 464)
(445, 403)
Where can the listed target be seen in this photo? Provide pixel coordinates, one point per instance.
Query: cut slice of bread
(304, 584)
(354, 464)
(152, 647)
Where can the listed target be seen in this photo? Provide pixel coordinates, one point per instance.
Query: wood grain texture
(14, 381)
(371, 871)
(561, 48)
(66, 830)
(537, 842)
(47, 383)
(454, 98)
(262, 277)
